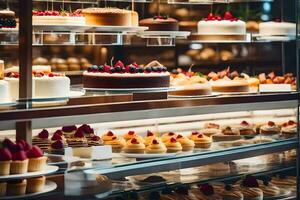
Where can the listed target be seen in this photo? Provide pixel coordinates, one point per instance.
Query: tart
(5, 161)
(228, 134)
(131, 134)
(210, 129)
(270, 129)
(95, 141)
(186, 143)
(149, 137)
(250, 189)
(37, 161)
(165, 137)
(231, 193)
(269, 189)
(19, 164)
(173, 146)
(206, 192)
(3, 186)
(228, 130)
(77, 140)
(116, 143)
(16, 188)
(58, 147)
(194, 135)
(87, 130)
(35, 184)
(203, 141)
(156, 147)
(69, 130)
(42, 140)
(246, 128)
(289, 129)
(108, 136)
(134, 146)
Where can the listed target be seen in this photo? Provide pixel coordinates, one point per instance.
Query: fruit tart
(173, 146)
(202, 141)
(186, 143)
(5, 161)
(134, 146)
(289, 129)
(116, 143)
(131, 134)
(69, 130)
(270, 128)
(108, 136)
(165, 137)
(42, 140)
(156, 147)
(37, 161)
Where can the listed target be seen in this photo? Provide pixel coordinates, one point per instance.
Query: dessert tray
(147, 156)
(49, 186)
(48, 170)
(259, 37)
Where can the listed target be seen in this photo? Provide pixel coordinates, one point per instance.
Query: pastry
(16, 188)
(3, 186)
(35, 184)
(269, 129)
(129, 135)
(286, 182)
(19, 164)
(219, 169)
(77, 140)
(5, 161)
(160, 23)
(134, 146)
(246, 128)
(269, 189)
(227, 85)
(173, 146)
(228, 134)
(57, 147)
(187, 144)
(166, 137)
(231, 193)
(116, 143)
(87, 130)
(194, 135)
(42, 140)
(252, 26)
(95, 141)
(156, 146)
(57, 136)
(108, 136)
(192, 89)
(153, 75)
(149, 137)
(202, 141)
(205, 192)
(37, 161)
(53, 17)
(289, 129)
(7, 19)
(40, 61)
(228, 130)
(69, 130)
(250, 189)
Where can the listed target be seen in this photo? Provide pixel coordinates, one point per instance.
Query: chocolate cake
(160, 23)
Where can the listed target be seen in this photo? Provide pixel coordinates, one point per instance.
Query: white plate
(48, 170)
(147, 156)
(49, 186)
(123, 90)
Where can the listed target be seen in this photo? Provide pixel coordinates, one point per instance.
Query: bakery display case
(149, 100)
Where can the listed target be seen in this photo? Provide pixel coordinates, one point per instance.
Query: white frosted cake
(277, 28)
(4, 97)
(57, 18)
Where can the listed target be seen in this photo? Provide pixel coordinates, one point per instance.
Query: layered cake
(153, 75)
(7, 19)
(110, 17)
(277, 28)
(49, 17)
(227, 85)
(160, 23)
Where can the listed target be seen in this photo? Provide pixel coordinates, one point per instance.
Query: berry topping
(110, 133)
(195, 133)
(173, 140)
(244, 123)
(250, 181)
(149, 133)
(118, 69)
(228, 16)
(86, 129)
(291, 122)
(160, 17)
(171, 133)
(114, 138)
(57, 145)
(5, 154)
(24, 144)
(179, 136)
(107, 68)
(148, 69)
(119, 64)
(69, 129)
(79, 134)
(16, 148)
(134, 141)
(95, 138)
(270, 123)
(213, 125)
(207, 189)
(56, 136)
(44, 134)
(200, 135)
(131, 133)
(285, 124)
(141, 70)
(8, 143)
(112, 70)
(20, 155)
(58, 132)
(210, 16)
(35, 152)
(155, 142)
(154, 69)
(228, 187)
(100, 68)
(219, 18)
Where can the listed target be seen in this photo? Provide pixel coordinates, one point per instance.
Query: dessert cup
(156, 147)
(37, 164)
(19, 166)
(5, 167)
(35, 184)
(16, 188)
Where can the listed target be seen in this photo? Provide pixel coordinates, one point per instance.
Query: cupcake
(228, 130)
(134, 146)
(58, 147)
(35, 184)
(95, 141)
(24, 145)
(289, 129)
(108, 136)
(205, 192)
(69, 130)
(187, 144)
(3, 186)
(173, 146)
(269, 129)
(203, 142)
(116, 143)
(245, 128)
(77, 140)
(16, 188)
(231, 193)
(166, 137)
(87, 130)
(5, 161)
(250, 189)
(194, 135)
(149, 137)
(42, 140)
(269, 189)
(37, 161)
(19, 164)
(156, 146)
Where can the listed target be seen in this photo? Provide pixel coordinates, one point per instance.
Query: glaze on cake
(160, 23)
(277, 28)
(57, 18)
(153, 75)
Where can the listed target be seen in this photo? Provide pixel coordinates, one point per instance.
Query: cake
(202, 141)
(219, 169)
(160, 23)
(5, 161)
(68, 131)
(153, 75)
(49, 17)
(7, 19)
(173, 146)
(228, 134)
(192, 89)
(285, 182)
(42, 140)
(269, 129)
(108, 136)
(245, 128)
(277, 28)
(77, 140)
(35, 184)
(116, 143)
(87, 130)
(228, 85)
(95, 141)
(186, 143)
(231, 193)
(110, 17)
(289, 129)
(134, 146)
(37, 161)
(156, 146)
(206, 192)
(250, 189)
(218, 28)
(58, 147)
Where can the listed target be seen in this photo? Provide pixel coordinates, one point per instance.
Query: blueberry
(118, 69)
(100, 68)
(112, 70)
(154, 69)
(159, 69)
(132, 69)
(148, 69)
(164, 69)
(94, 67)
(141, 70)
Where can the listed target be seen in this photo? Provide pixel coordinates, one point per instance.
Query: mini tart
(116, 144)
(227, 130)
(35, 184)
(16, 188)
(166, 137)
(210, 131)
(194, 135)
(269, 129)
(221, 137)
(289, 129)
(108, 136)
(203, 142)
(269, 189)
(149, 137)
(156, 147)
(211, 125)
(173, 146)
(246, 128)
(129, 135)
(187, 144)
(134, 146)
(3, 187)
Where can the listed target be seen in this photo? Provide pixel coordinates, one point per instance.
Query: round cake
(7, 19)
(160, 23)
(193, 89)
(4, 91)
(57, 18)
(224, 85)
(153, 75)
(277, 28)
(110, 17)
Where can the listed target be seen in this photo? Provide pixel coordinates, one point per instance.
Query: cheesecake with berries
(160, 23)
(120, 76)
(52, 17)
(7, 19)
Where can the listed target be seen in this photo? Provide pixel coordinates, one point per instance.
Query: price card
(275, 88)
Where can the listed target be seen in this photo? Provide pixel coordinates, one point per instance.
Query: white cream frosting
(104, 74)
(223, 27)
(58, 20)
(270, 128)
(289, 129)
(277, 28)
(4, 95)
